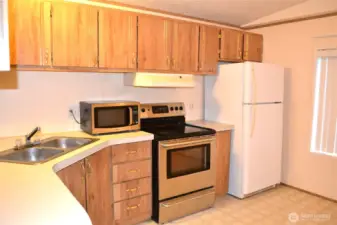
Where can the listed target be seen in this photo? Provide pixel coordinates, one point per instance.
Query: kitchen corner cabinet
(25, 32)
(154, 43)
(223, 145)
(74, 35)
(208, 49)
(90, 182)
(117, 39)
(253, 47)
(231, 45)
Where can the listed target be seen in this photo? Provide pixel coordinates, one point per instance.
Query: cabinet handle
(95, 62)
(133, 171)
(133, 207)
(132, 189)
(89, 167)
(134, 59)
(168, 61)
(239, 54)
(46, 56)
(131, 152)
(174, 63)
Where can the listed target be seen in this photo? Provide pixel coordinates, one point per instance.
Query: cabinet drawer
(133, 211)
(131, 152)
(131, 171)
(131, 189)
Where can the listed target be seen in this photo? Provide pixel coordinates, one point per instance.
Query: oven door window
(189, 160)
(111, 117)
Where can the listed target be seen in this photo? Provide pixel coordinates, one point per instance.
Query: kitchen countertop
(212, 125)
(34, 194)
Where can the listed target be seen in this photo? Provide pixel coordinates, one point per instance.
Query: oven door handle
(195, 142)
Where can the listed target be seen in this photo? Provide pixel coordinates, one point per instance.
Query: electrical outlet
(191, 106)
(76, 111)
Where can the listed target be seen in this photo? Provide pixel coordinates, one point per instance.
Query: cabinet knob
(132, 189)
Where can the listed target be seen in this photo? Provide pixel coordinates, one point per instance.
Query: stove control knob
(176, 108)
(143, 110)
(171, 108)
(181, 108)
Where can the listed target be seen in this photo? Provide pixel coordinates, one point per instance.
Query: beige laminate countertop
(212, 125)
(34, 194)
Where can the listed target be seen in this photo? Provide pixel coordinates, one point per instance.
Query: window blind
(324, 127)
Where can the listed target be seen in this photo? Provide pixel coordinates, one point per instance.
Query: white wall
(292, 46)
(43, 99)
(302, 10)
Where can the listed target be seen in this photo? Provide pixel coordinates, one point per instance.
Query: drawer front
(131, 171)
(133, 211)
(131, 189)
(131, 152)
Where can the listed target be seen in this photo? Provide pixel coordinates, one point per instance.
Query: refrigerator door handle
(252, 128)
(253, 102)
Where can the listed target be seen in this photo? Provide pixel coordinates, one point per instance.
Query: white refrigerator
(249, 96)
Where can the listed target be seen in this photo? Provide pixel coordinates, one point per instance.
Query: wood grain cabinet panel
(253, 47)
(208, 49)
(99, 189)
(231, 45)
(185, 47)
(131, 152)
(74, 35)
(73, 178)
(133, 211)
(154, 43)
(223, 145)
(131, 171)
(131, 189)
(117, 39)
(25, 32)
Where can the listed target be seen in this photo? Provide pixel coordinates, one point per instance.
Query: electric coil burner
(183, 162)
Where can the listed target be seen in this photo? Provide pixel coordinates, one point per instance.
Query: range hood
(158, 80)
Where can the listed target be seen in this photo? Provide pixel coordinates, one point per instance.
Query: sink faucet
(28, 137)
(31, 134)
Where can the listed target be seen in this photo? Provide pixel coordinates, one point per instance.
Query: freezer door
(262, 83)
(262, 146)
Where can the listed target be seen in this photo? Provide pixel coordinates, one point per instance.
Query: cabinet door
(99, 187)
(208, 50)
(185, 47)
(154, 43)
(231, 45)
(74, 35)
(74, 178)
(117, 39)
(253, 47)
(223, 144)
(25, 32)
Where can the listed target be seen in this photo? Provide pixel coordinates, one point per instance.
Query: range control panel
(157, 110)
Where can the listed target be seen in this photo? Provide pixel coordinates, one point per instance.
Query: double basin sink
(48, 149)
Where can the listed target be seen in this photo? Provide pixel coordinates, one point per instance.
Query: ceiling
(236, 12)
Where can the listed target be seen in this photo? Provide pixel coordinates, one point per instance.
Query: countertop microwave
(106, 117)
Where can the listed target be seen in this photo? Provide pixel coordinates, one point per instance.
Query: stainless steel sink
(48, 149)
(31, 155)
(66, 143)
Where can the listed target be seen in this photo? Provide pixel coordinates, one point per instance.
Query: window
(324, 127)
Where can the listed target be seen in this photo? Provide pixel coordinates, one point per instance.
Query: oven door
(186, 165)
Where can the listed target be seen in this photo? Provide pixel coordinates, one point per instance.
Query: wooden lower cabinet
(73, 178)
(223, 145)
(133, 211)
(125, 201)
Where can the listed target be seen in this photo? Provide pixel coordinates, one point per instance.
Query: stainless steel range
(183, 162)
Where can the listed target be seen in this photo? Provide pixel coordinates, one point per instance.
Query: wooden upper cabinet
(208, 49)
(74, 35)
(185, 47)
(99, 187)
(154, 43)
(73, 178)
(231, 45)
(253, 47)
(25, 32)
(117, 39)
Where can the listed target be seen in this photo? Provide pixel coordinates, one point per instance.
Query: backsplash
(44, 98)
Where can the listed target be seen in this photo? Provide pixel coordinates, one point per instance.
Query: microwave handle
(130, 114)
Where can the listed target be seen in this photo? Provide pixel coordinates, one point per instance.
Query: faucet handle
(18, 144)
